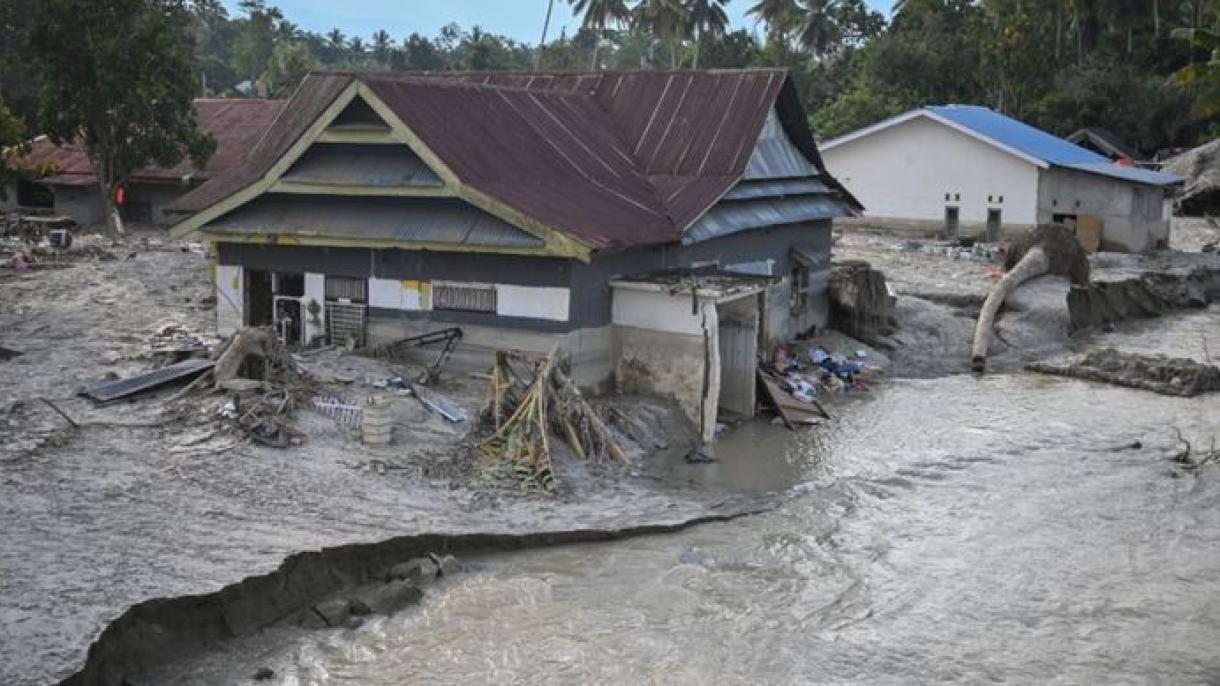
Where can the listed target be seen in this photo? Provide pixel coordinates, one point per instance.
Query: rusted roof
(613, 159)
(236, 123)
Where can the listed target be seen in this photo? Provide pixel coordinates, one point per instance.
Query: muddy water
(954, 529)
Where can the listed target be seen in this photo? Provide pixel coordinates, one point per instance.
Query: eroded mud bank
(156, 630)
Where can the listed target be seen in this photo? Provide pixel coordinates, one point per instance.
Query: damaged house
(968, 170)
(70, 188)
(659, 225)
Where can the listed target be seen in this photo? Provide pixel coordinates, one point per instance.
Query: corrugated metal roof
(775, 157)
(773, 187)
(236, 123)
(1042, 145)
(372, 165)
(743, 215)
(432, 220)
(613, 159)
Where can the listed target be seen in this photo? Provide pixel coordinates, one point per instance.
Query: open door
(738, 339)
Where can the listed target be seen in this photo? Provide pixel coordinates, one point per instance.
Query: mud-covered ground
(145, 501)
(142, 502)
(939, 298)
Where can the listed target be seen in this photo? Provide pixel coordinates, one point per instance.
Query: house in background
(659, 225)
(72, 189)
(1104, 142)
(966, 170)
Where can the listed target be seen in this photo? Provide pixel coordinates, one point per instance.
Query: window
(798, 296)
(343, 289)
(463, 297)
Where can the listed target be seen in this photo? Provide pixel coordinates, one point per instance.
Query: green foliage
(12, 138)
(289, 63)
(125, 86)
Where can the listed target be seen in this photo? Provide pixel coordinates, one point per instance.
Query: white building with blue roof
(970, 171)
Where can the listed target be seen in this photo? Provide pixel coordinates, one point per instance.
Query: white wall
(904, 172)
(535, 302)
(656, 311)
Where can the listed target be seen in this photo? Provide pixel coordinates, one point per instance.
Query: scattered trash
(445, 407)
(113, 390)
(338, 409)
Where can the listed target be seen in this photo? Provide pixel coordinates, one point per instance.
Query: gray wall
(1131, 213)
(588, 283)
(82, 203)
(591, 296)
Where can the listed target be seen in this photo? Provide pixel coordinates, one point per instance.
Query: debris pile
(262, 384)
(798, 375)
(1157, 373)
(524, 415)
(963, 249)
(861, 304)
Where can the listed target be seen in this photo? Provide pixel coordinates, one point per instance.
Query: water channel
(955, 529)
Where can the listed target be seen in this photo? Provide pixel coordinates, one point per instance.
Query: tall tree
(705, 18)
(12, 137)
(598, 16)
(382, 45)
(124, 91)
(257, 40)
(778, 15)
(820, 33)
(662, 20)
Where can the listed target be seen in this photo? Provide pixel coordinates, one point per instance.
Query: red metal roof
(613, 159)
(237, 124)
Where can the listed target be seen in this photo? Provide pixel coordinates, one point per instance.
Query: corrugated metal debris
(113, 390)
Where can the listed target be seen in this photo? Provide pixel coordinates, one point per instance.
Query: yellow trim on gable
(556, 242)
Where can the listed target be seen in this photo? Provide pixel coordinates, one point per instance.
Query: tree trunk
(546, 24)
(695, 59)
(1035, 263)
(105, 179)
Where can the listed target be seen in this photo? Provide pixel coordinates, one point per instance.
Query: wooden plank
(791, 410)
(1088, 232)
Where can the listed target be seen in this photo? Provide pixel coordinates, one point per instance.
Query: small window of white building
(464, 297)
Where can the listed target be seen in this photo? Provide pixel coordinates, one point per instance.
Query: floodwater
(955, 529)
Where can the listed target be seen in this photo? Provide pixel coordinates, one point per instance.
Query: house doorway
(259, 294)
(993, 225)
(951, 223)
(738, 343)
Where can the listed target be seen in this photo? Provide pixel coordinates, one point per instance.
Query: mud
(157, 631)
(860, 303)
(146, 501)
(1157, 373)
(1106, 302)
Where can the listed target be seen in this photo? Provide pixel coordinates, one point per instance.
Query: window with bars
(465, 297)
(340, 288)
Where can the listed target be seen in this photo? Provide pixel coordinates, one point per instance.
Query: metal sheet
(113, 390)
(775, 156)
(367, 165)
(775, 187)
(431, 220)
(743, 215)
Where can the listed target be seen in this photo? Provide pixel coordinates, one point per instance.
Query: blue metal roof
(1041, 145)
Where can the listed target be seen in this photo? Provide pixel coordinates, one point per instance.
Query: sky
(518, 19)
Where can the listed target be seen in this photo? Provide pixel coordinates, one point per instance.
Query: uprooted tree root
(1189, 460)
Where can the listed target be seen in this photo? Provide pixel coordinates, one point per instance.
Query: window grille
(466, 297)
(341, 288)
(346, 321)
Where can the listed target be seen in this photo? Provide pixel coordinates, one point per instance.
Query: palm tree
(664, 20)
(598, 15)
(778, 15)
(337, 42)
(356, 47)
(381, 47)
(819, 32)
(705, 17)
